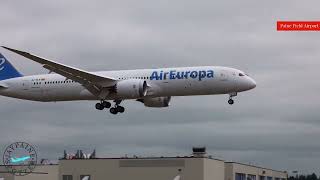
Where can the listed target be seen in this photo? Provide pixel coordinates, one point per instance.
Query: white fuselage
(54, 87)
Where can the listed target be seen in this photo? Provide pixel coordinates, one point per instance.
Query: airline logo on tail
(7, 71)
(2, 61)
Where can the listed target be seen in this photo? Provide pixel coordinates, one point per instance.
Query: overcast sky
(276, 125)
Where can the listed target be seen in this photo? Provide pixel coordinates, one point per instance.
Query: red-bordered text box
(298, 25)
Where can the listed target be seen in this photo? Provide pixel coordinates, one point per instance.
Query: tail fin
(7, 71)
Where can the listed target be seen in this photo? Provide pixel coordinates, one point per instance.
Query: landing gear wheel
(106, 104)
(99, 106)
(120, 109)
(231, 101)
(234, 94)
(113, 111)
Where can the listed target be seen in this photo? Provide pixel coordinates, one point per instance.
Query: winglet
(10, 49)
(15, 50)
(6, 48)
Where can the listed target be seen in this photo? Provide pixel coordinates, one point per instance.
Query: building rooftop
(232, 162)
(144, 158)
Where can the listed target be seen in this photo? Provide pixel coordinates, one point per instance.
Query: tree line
(312, 176)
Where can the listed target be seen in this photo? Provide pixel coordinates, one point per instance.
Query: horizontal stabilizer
(2, 86)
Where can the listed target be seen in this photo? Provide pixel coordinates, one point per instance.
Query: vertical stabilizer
(7, 71)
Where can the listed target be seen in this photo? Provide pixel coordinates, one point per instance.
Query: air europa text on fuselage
(173, 74)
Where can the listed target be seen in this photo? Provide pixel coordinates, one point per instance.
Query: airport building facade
(195, 167)
(42, 172)
(189, 168)
(239, 171)
(143, 168)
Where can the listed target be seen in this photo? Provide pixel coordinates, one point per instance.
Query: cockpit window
(241, 74)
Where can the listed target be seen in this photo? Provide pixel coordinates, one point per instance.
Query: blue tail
(7, 71)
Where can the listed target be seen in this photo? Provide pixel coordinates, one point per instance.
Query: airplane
(17, 160)
(152, 87)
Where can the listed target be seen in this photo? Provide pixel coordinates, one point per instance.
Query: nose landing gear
(231, 101)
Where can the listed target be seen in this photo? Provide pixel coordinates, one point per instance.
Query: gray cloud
(276, 125)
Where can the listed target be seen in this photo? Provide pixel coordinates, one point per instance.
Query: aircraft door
(230, 80)
(37, 89)
(224, 75)
(25, 85)
(234, 81)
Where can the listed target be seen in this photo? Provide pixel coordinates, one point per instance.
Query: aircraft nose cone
(252, 83)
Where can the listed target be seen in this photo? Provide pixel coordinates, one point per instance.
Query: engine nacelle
(131, 88)
(157, 101)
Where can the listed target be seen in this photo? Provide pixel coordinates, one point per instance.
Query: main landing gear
(117, 108)
(103, 104)
(113, 110)
(231, 101)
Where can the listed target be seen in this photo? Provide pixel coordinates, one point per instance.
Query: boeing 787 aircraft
(153, 87)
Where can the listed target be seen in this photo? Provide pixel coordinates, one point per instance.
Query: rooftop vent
(199, 151)
(79, 155)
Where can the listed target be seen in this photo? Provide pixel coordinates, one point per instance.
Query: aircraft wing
(93, 82)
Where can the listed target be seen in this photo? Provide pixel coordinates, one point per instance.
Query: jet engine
(131, 88)
(156, 102)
